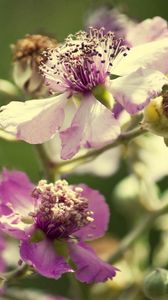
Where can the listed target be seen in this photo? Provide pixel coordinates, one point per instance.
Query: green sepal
(103, 95)
(60, 247)
(37, 236)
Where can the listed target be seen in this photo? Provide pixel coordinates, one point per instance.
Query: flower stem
(49, 167)
(75, 289)
(124, 138)
(144, 224)
(16, 274)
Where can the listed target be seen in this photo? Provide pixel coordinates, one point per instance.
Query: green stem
(8, 88)
(75, 289)
(49, 167)
(18, 273)
(124, 138)
(144, 224)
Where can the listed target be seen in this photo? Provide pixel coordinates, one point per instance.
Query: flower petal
(34, 121)
(15, 203)
(90, 268)
(151, 55)
(134, 91)
(147, 31)
(15, 192)
(44, 259)
(100, 209)
(85, 129)
(13, 226)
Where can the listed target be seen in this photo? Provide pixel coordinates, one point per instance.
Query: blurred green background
(59, 18)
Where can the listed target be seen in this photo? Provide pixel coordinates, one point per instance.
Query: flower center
(61, 209)
(84, 61)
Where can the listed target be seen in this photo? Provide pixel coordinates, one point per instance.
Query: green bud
(156, 115)
(103, 95)
(155, 285)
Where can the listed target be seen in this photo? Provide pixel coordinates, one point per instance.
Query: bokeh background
(60, 18)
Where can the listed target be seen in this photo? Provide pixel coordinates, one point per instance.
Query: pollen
(83, 62)
(61, 208)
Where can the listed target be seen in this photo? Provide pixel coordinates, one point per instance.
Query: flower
(134, 33)
(53, 221)
(26, 56)
(111, 19)
(81, 72)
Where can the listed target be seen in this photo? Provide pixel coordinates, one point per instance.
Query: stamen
(84, 61)
(61, 209)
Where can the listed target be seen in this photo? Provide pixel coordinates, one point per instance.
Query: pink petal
(34, 121)
(13, 226)
(151, 55)
(15, 203)
(44, 259)
(90, 268)
(147, 31)
(92, 126)
(134, 91)
(15, 192)
(101, 215)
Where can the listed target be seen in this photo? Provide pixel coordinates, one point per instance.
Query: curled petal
(44, 259)
(151, 55)
(134, 91)
(90, 268)
(100, 210)
(34, 121)
(147, 31)
(93, 126)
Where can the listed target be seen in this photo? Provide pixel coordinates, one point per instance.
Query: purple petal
(147, 31)
(15, 203)
(151, 55)
(117, 110)
(134, 91)
(44, 259)
(34, 121)
(85, 129)
(100, 209)
(15, 192)
(12, 225)
(90, 268)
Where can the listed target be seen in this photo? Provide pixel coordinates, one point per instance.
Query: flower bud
(26, 58)
(156, 115)
(156, 285)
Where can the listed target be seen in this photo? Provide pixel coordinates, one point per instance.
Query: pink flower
(53, 221)
(133, 32)
(111, 19)
(81, 72)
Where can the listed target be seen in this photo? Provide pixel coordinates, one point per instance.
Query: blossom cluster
(83, 90)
